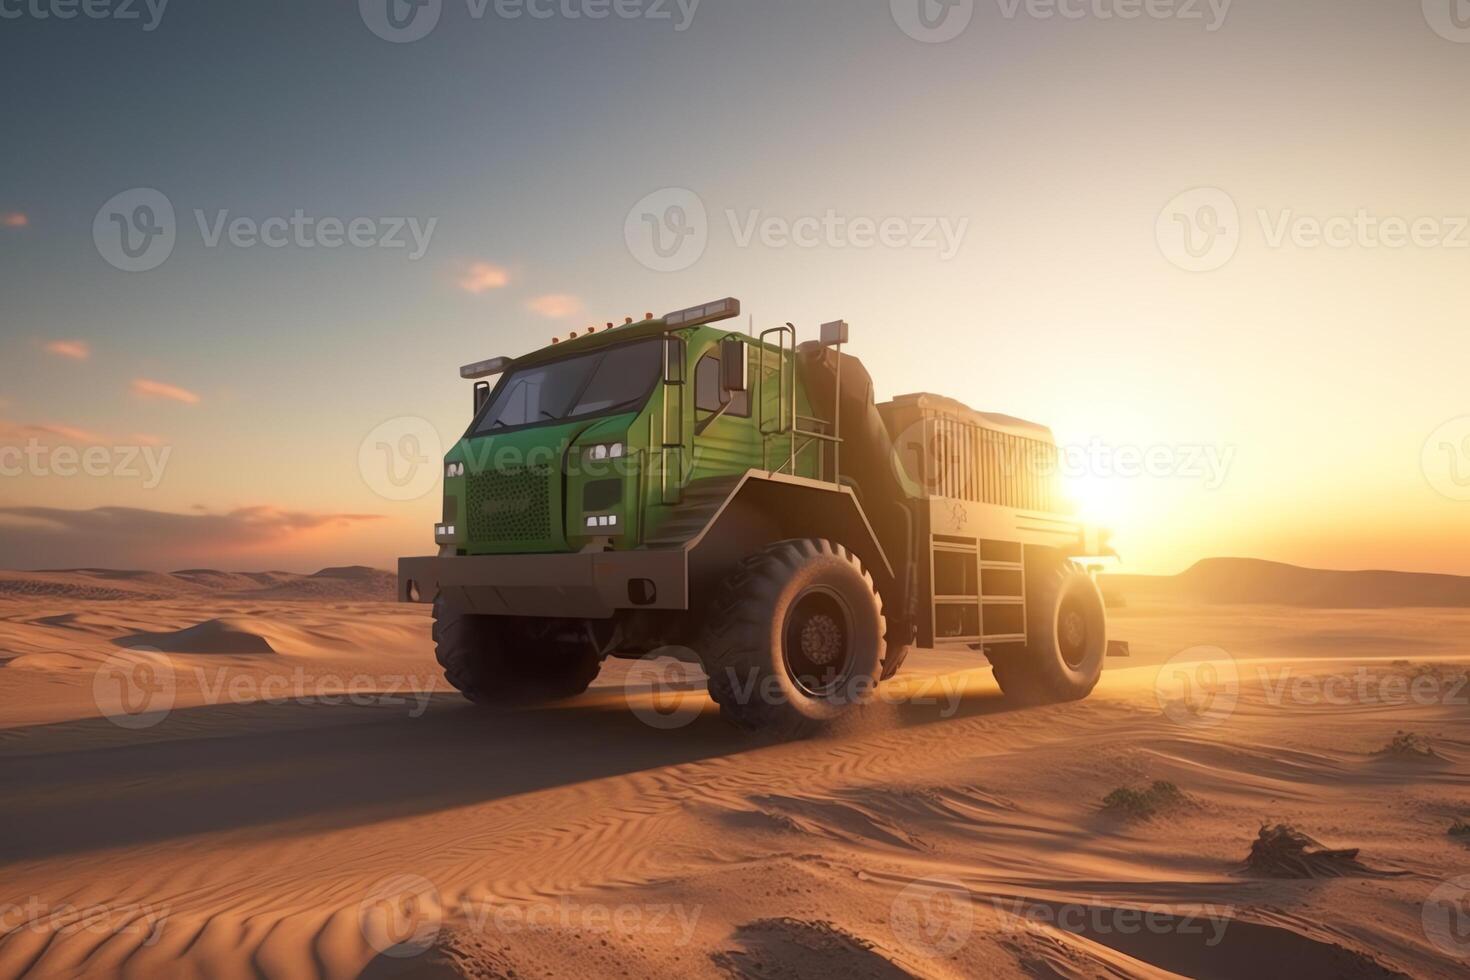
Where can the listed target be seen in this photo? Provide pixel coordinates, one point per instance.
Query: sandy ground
(289, 790)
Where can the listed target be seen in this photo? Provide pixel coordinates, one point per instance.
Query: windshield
(595, 383)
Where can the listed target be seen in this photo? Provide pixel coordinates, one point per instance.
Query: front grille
(509, 505)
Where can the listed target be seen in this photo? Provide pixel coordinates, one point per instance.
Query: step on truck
(742, 501)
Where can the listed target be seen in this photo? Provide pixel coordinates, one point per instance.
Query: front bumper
(593, 585)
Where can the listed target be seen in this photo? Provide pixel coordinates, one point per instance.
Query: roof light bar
(722, 309)
(484, 369)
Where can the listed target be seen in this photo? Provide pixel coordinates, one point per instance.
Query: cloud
(78, 350)
(132, 537)
(13, 219)
(68, 432)
(555, 305)
(48, 432)
(482, 276)
(144, 388)
(59, 433)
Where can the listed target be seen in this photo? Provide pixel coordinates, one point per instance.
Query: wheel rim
(817, 643)
(1072, 632)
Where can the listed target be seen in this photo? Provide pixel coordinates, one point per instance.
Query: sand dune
(352, 583)
(228, 635)
(269, 822)
(1237, 581)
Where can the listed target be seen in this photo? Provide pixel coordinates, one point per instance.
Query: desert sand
(290, 790)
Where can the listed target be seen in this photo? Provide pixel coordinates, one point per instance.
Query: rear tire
(793, 638)
(1067, 639)
(498, 660)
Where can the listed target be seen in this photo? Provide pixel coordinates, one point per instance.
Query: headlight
(454, 469)
(607, 451)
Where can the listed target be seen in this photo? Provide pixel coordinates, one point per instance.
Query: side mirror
(482, 395)
(834, 334)
(733, 365)
(675, 356)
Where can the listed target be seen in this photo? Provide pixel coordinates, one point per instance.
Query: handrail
(783, 379)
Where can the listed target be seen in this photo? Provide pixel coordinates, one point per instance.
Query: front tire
(502, 660)
(794, 638)
(1067, 639)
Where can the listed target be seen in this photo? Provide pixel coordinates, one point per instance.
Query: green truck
(673, 485)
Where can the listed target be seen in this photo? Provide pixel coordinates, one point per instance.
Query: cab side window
(707, 389)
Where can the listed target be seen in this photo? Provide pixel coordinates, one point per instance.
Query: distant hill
(356, 583)
(1242, 581)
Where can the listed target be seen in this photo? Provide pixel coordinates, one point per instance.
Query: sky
(1221, 249)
